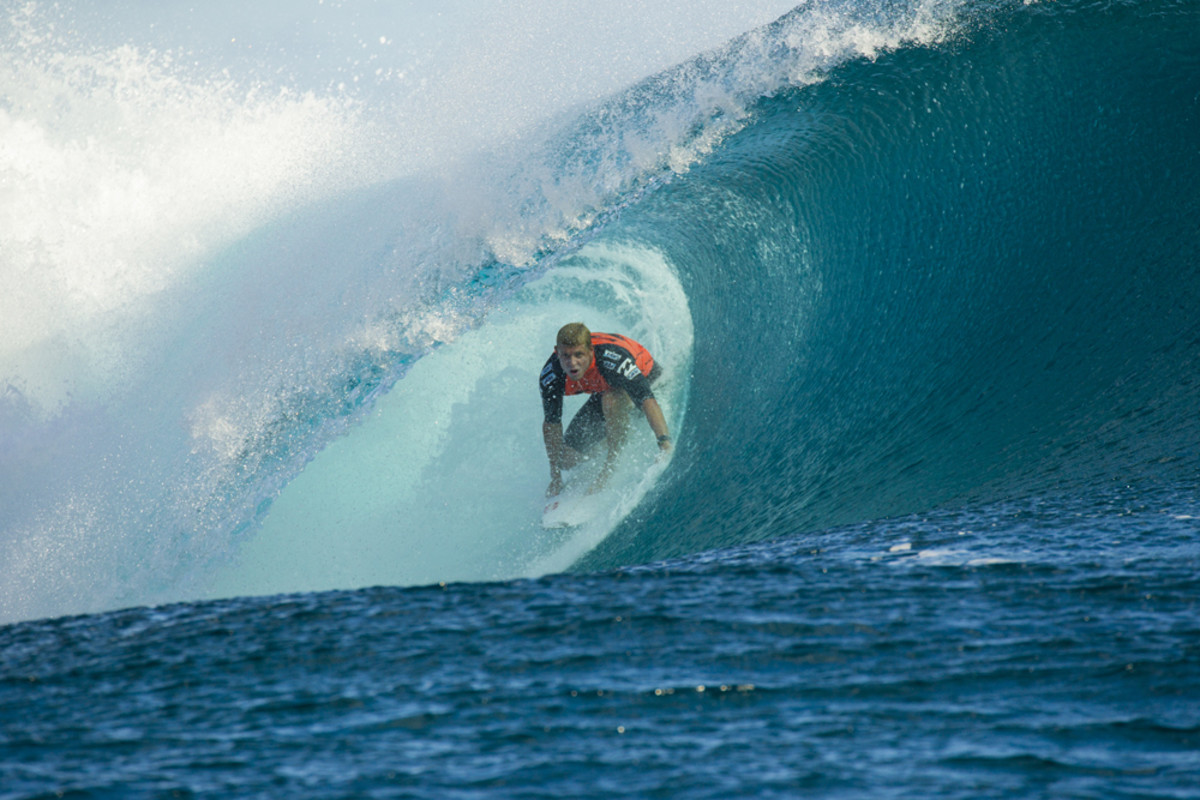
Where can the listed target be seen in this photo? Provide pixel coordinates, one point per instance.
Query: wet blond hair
(574, 334)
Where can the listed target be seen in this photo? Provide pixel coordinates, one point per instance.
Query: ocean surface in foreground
(1038, 649)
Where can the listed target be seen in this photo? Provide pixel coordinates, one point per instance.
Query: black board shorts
(587, 428)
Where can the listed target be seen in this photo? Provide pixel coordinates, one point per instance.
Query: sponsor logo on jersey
(619, 361)
(629, 369)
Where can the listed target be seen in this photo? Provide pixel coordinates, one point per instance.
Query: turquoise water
(923, 277)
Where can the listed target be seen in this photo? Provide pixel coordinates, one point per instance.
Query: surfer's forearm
(658, 422)
(552, 435)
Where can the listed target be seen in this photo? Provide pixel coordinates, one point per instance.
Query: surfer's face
(574, 360)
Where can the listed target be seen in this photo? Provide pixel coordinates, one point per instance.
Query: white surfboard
(571, 510)
(574, 507)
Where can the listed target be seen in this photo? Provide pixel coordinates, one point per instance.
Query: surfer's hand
(555, 488)
(664, 447)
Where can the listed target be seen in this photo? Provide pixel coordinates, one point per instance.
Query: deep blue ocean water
(924, 277)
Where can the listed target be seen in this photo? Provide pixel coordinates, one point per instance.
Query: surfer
(617, 372)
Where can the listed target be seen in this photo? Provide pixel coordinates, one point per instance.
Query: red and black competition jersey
(617, 362)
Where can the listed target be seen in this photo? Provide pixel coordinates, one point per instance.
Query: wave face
(270, 334)
(958, 272)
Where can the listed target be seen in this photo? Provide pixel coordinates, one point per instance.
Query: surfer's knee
(571, 457)
(615, 403)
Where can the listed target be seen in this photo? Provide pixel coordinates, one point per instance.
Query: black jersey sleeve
(553, 383)
(621, 371)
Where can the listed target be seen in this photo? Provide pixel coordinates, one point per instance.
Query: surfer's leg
(616, 405)
(587, 429)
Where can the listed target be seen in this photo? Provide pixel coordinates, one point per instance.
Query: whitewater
(278, 283)
(213, 274)
(216, 273)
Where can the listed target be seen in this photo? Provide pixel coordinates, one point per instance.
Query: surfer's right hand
(555, 487)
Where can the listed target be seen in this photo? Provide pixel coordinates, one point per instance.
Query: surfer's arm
(658, 423)
(552, 435)
(551, 384)
(638, 389)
